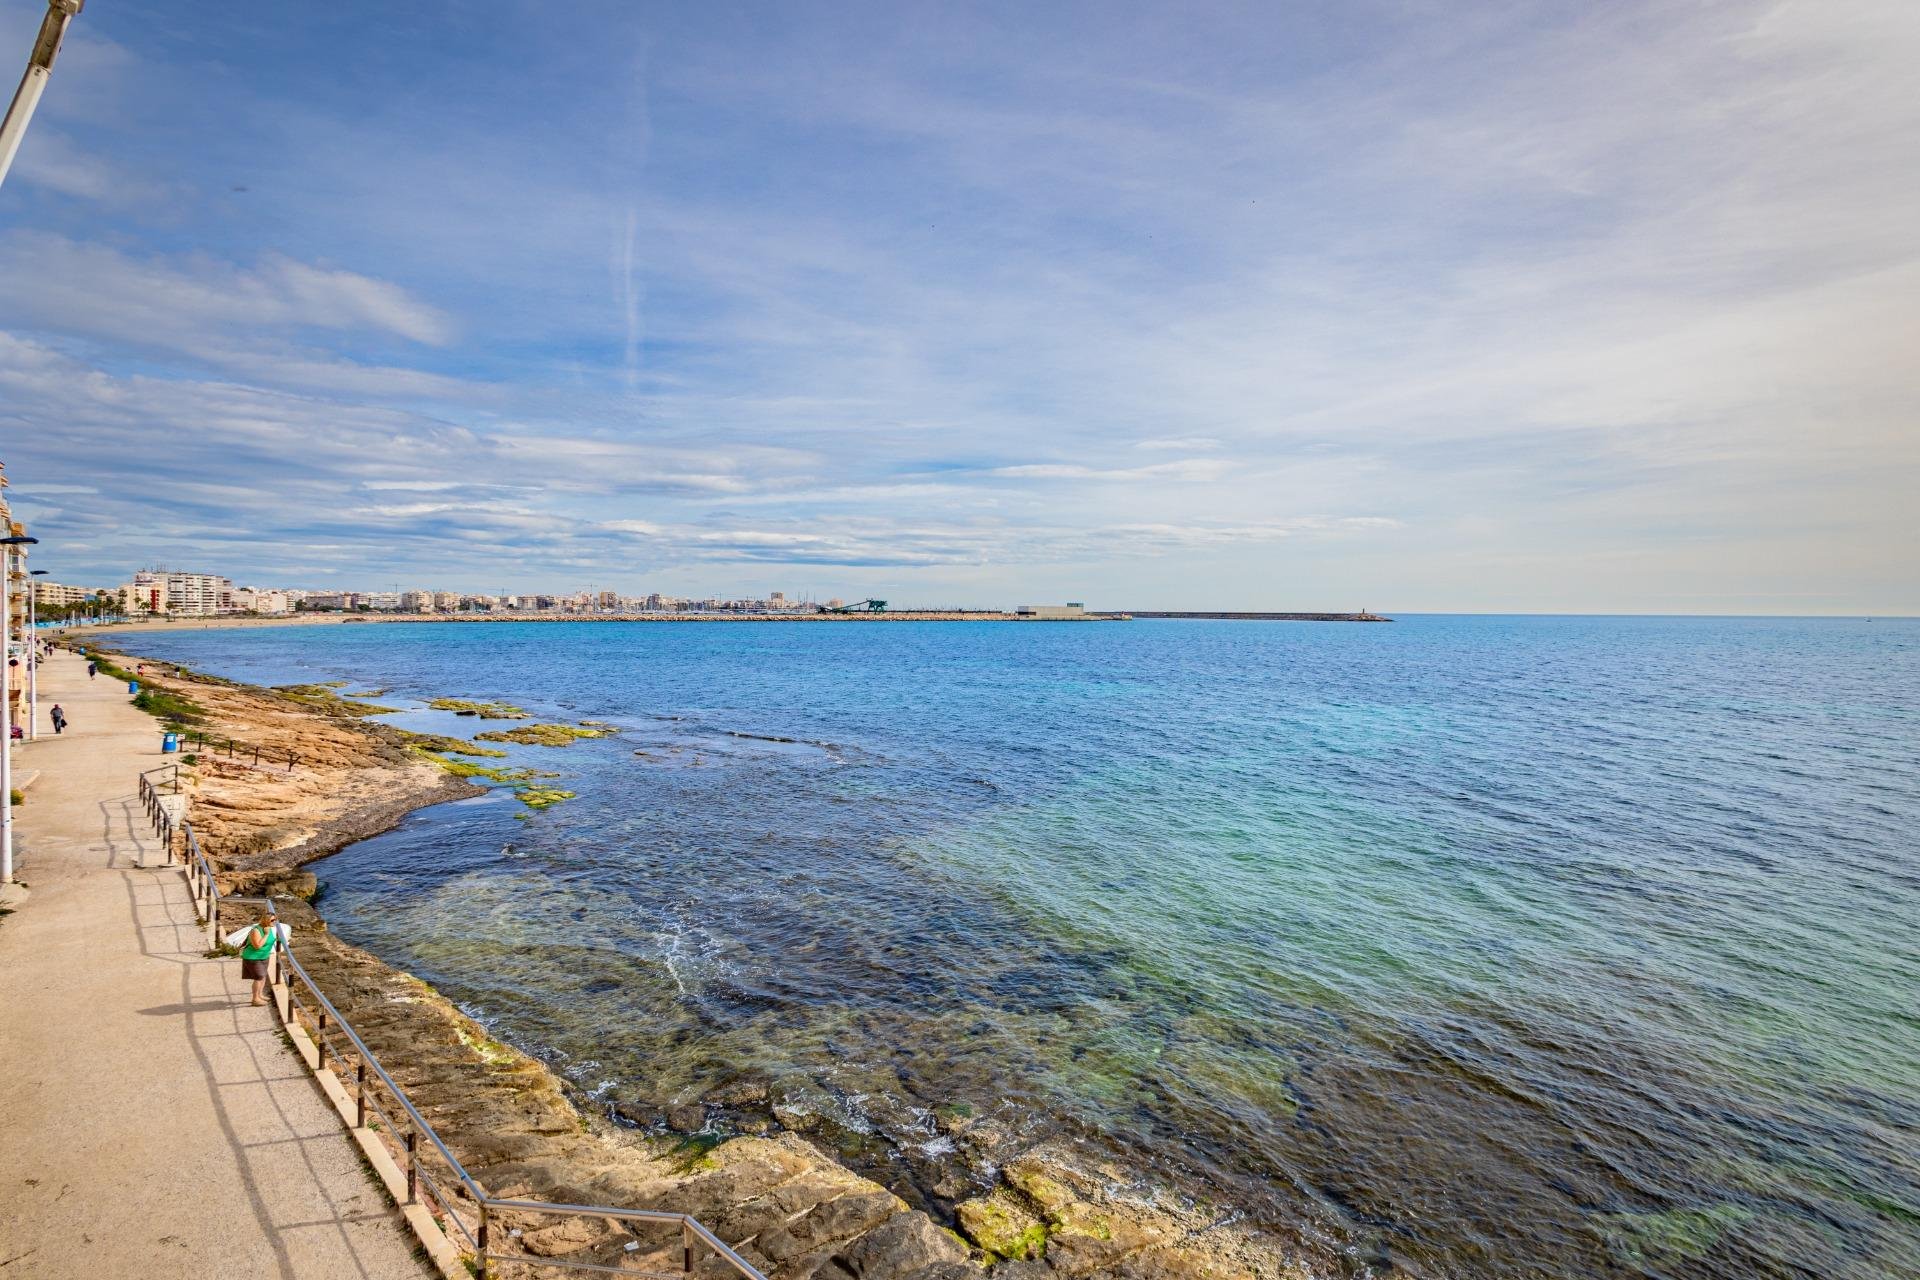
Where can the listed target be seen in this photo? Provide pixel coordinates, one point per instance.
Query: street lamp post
(13, 126)
(8, 550)
(33, 653)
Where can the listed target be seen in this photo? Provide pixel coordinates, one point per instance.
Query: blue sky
(1412, 305)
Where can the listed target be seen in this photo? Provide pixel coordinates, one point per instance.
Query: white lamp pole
(13, 127)
(8, 549)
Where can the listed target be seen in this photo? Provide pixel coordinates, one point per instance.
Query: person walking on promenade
(255, 950)
(59, 720)
(93, 669)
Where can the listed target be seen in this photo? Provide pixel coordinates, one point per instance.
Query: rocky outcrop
(782, 1202)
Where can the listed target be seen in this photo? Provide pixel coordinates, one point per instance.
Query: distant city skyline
(1505, 307)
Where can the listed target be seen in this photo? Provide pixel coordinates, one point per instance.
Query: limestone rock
(903, 1244)
(1003, 1225)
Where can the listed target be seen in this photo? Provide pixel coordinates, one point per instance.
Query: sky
(1401, 304)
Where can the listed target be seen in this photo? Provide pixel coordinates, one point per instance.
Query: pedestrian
(93, 669)
(255, 950)
(59, 720)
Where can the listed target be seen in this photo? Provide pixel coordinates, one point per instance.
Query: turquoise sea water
(1467, 946)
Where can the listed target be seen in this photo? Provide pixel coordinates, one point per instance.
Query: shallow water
(1478, 946)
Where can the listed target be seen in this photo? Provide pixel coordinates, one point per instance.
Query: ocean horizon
(1475, 945)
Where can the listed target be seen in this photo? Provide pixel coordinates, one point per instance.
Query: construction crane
(858, 606)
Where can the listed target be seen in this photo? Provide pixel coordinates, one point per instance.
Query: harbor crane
(858, 606)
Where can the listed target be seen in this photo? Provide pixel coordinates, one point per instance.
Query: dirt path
(153, 1125)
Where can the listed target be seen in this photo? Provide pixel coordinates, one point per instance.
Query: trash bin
(169, 742)
(133, 686)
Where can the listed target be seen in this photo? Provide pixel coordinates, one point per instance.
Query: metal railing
(215, 745)
(434, 1176)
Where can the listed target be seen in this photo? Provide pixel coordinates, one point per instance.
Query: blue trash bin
(133, 686)
(169, 742)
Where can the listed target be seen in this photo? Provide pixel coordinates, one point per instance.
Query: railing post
(320, 1037)
(686, 1246)
(360, 1095)
(480, 1243)
(412, 1184)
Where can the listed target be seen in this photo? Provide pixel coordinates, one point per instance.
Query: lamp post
(13, 126)
(33, 653)
(8, 550)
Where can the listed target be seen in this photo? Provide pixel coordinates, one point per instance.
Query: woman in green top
(254, 951)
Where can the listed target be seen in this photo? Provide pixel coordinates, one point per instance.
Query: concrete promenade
(151, 1122)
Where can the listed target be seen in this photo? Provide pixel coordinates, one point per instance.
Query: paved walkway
(151, 1122)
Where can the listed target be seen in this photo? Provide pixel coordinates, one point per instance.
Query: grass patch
(485, 710)
(174, 710)
(542, 735)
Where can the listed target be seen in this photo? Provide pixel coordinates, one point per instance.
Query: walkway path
(151, 1122)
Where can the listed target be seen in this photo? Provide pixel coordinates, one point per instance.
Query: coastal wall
(790, 1208)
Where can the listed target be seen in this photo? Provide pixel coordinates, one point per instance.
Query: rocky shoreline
(790, 1208)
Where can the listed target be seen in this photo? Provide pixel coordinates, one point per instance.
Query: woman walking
(255, 950)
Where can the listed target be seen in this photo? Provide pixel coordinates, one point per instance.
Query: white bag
(239, 935)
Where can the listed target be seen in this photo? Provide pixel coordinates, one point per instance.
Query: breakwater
(1223, 616)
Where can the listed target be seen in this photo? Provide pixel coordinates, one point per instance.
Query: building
(184, 595)
(262, 600)
(446, 601)
(416, 602)
(1043, 612)
(46, 593)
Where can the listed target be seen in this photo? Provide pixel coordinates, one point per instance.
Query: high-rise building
(193, 595)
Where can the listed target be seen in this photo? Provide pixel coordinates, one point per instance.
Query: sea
(1447, 947)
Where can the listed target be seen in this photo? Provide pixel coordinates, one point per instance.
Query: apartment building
(189, 595)
(47, 593)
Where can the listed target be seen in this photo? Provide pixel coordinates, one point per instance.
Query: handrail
(692, 1230)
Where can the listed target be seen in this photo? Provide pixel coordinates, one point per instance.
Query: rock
(1088, 1237)
(1014, 1269)
(1003, 1225)
(689, 1117)
(1040, 1186)
(900, 1246)
(947, 1271)
(568, 1236)
(828, 1222)
(740, 1093)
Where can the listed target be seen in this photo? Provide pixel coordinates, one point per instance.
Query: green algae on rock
(542, 797)
(542, 735)
(1002, 1224)
(444, 744)
(485, 710)
(325, 699)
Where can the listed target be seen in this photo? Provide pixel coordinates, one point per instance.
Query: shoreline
(1056, 1210)
(218, 622)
